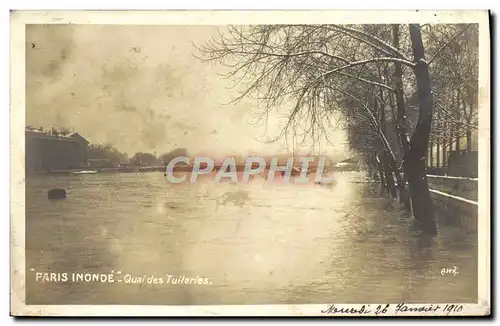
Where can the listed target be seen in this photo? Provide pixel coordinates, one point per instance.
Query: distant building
(46, 152)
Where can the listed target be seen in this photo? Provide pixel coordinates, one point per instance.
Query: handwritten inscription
(393, 309)
(401, 307)
(363, 310)
(334, 310)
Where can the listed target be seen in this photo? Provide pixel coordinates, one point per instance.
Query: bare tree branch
(388, 48)
(448, 43)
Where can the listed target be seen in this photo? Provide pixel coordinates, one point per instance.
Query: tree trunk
(380, 169)
(438, 155)
(472, 109)
(389, 179)
(422, 205)
(469, 137)
(450, 146)
(445, 137)
(396, 167)
(457, 126)
(401, 114)
(431, 154)
(445, 154)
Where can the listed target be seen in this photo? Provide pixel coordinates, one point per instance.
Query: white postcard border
(180, 17)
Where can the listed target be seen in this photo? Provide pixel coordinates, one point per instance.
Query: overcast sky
(139, 88)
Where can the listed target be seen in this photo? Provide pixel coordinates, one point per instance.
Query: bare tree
(325, 70)
(455, 74)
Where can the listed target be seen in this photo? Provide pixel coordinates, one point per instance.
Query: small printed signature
(449, 271)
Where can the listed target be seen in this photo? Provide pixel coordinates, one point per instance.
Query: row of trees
(108, 153)
(152, 160)
(54, 131)
(374, 81)
(455, 79)
(114, 157)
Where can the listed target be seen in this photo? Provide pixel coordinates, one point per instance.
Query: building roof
(45, 135)
(79, 138)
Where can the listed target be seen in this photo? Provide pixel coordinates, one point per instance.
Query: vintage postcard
(259, 163)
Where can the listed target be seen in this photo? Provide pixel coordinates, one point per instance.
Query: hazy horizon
(140, 89)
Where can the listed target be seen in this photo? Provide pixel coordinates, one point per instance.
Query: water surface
(263, 244)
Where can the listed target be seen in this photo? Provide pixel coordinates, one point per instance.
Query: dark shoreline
(154, 169)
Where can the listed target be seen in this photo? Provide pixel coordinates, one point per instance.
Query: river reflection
(257, 243)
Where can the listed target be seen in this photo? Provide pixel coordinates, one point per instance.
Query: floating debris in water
(56, 193)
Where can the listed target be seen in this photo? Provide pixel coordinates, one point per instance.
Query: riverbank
(101, 170)
(136, 169)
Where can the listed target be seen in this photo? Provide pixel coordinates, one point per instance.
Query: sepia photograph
(227, 163)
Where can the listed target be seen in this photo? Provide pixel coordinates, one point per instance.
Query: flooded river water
(260, 244)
